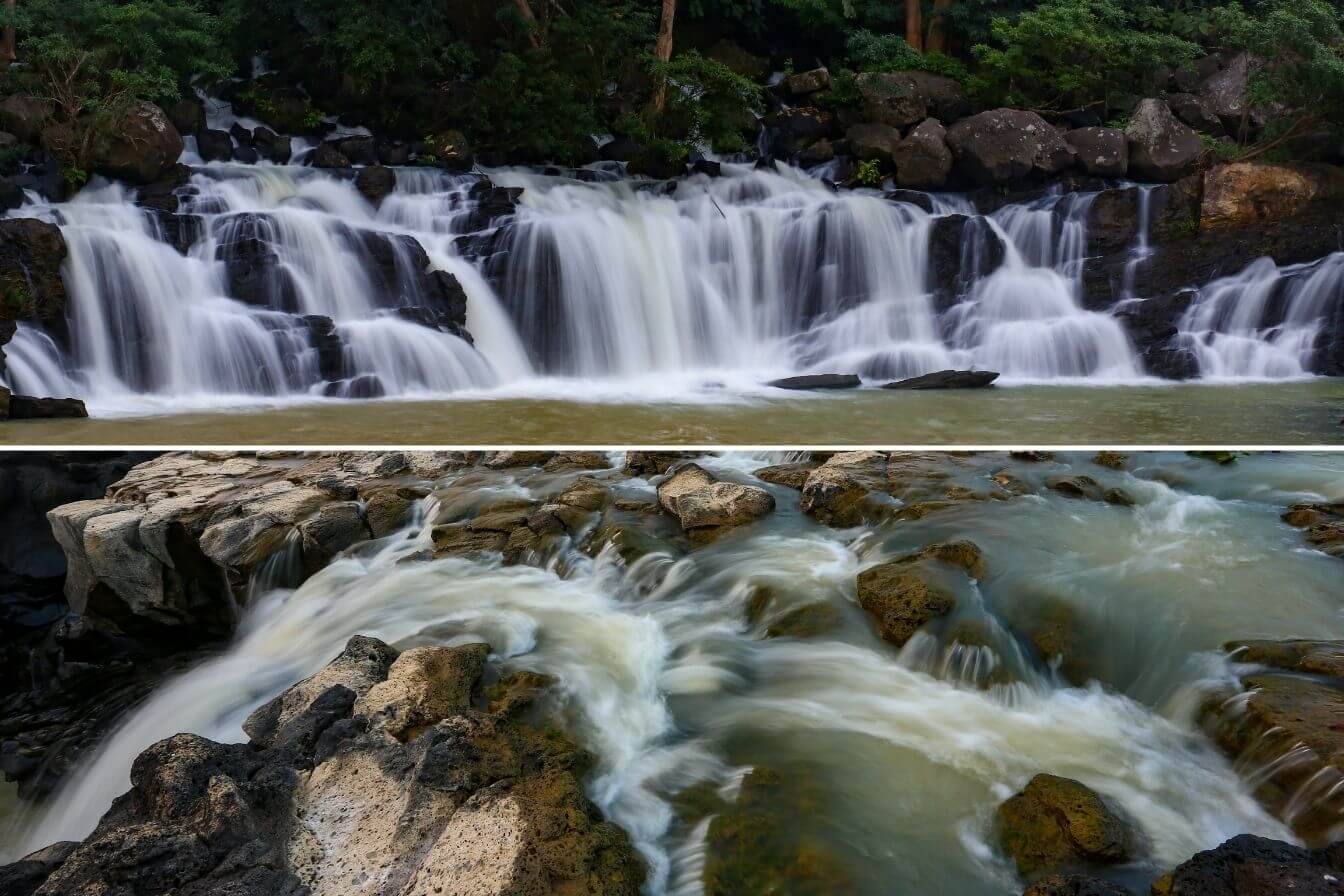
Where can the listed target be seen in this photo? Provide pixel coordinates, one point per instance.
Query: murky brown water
(1305, 413)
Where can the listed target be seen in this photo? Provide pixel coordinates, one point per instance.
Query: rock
(1279, 713)
(332, 529)
(1248, 865)
(947, 379)
(141, 145)
(844, 490)
(900, 99)
(327, 803)
(27, 407)
(923, 159)
(1074, 885)
(1225, 92)
(1055, 823)
(1161, 148)
(803, 83)
(962, 251)
(807, 621)
(326, 155)
(912, 197)
(1115, 460)
(1244, 193)
(214, 146)
(1303, 656)
(448, 148)
(818, 381)
(24, 877)
(25, 116)
(818, 153)
(789, 475)
(187, 115)
(359, 149)
(902, 597)
(651, 463)
(31, 286)
(1005, 145)
(424, 685)
(375, 183)
(1102, 152)
(1195, 111)
(4, 403)
(706, 507)
(738, 60)
(873, 142)
(275, 147)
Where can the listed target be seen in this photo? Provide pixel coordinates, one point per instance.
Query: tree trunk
(937, 42)
(525, 11)
(663, 50)
(8, 53)
(914, 25)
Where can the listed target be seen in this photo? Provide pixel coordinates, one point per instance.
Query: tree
(914, 25)
(937, 39)
(7, 48)
(663, 50)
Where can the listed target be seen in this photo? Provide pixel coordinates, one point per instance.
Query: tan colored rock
(1240, 194)
(1055, 823)
(1307, 657)
(706, 507)
(788, 475)
(902, 597)
(842, 491)
(423, 686)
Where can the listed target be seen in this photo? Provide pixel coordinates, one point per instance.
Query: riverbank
(1304, 413)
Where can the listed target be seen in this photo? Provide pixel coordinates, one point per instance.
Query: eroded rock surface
(1057, 823)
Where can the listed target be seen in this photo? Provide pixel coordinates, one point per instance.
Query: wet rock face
(327, 800)
(840, 492)
(1243, 193)
(31, 287)
(1056, 823)
(906, 594)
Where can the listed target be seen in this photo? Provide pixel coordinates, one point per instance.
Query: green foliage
(707, 104)
(1072, 54)
(869, 51)
(868, 173)
(1297, 72)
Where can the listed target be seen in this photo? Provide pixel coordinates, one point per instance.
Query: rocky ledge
(383, 774)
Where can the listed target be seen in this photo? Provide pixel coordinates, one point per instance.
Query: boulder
(4, 403)
(28, 407)
(1161, 147)
(846, 489)
(923, 159)
(1248, 865)
(424, 685)
(187, 115)
(327, 155)
(271, 146)
(1006, 145)
(947, 379)
(1225, 92)
(359, 149)
(1056, 823)
(375, 183)
(873, 142)
(1101, 152)
(1196, 111)
(1074, 885)
(739, 61)
(818, 153)
(804, 83)
(213, 145)
(818, 381)
(789, 475)
(1295, 655)
(706, 507)
(903, 596)
(1239, 194)
(141, 145)
(25, 116)
(901, 99)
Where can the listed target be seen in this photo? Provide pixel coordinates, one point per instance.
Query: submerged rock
(947, 379)
(329, 801)
(1055, 823)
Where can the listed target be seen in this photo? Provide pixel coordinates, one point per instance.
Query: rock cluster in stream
(383, 774)
(171, 546)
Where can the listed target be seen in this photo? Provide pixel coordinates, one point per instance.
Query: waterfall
(1266, 322)
(282, 282)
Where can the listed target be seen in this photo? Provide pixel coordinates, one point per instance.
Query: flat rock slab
(818, 381)
(947, 379)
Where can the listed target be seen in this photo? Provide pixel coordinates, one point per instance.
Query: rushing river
(1300, 413)
(663, 677)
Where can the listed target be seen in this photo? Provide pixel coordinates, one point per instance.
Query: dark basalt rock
(947, 379)
(328, 155)
(375, 183)
(1004, 146)
(913, 197)
(31, 286)
(140, 145)
(1152, 325)
(272, 146)
(492, 204)
(1256, 866)
(214, 145)
(359, 150)
(818, 381)
(1074, 885)
(28, 407)
(326, 342)
(962, 250)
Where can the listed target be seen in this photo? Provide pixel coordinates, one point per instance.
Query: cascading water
(663, 677)
(1266, 322)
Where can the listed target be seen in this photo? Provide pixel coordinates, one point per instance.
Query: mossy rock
(1057, 823)
(807, 621)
